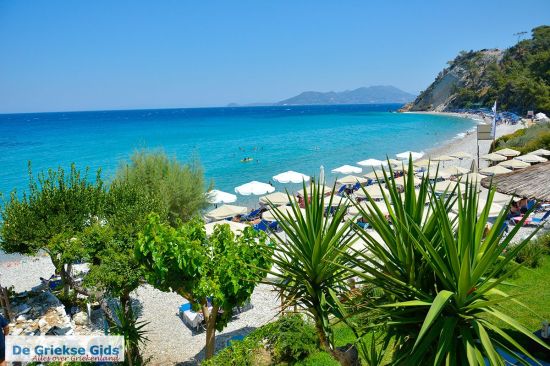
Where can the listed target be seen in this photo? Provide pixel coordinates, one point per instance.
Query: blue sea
(300, 138)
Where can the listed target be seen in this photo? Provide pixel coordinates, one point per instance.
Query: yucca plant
(439, 276)
(310, 262)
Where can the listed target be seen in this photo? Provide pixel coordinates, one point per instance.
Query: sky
(104, 54)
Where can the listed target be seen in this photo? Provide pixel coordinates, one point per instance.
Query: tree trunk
(349, 357)
(210, 319)
(5, 303)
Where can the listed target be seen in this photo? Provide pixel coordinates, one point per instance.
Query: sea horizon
(277, 138)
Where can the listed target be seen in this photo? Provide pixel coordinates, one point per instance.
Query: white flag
(494, 126)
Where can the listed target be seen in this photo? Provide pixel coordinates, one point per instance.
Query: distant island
(378, 94)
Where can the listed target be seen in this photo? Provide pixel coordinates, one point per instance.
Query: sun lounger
(261, 226)
(537, 221)
(252, 215)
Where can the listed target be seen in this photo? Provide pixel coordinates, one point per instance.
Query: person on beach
(5, 331)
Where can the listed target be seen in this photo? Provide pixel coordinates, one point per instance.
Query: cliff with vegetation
(518, 78)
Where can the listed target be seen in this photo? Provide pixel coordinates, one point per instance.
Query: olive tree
(215, 274)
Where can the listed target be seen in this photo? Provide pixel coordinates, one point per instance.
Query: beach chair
(261, 226)
(273, 226)
(251, 215)
(342, 189)
(233, 339)
(537, 221)
(191, 318)
(363, 225)
(357, 186)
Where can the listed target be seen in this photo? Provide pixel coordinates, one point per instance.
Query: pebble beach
(170, 340)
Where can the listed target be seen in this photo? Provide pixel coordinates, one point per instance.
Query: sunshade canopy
(494, 210)
(424, 163)
(456, 170)
(447, 186)
(494, 170)
(326, 189)
(493, 157)
(285, 210)
(347, 169)
(291, 177)
(276, 198)
(372, 162)
(401, 181)
(225, 211)
(514, 164)
(461, 155)
(472, 177)
(351, 179)
(530, 182)
(255, 188)
(374, 175)
(540, 152)
(412, 154)
(508, 152)
(236, 227)
(216, 196)
(531, 158)
(337, 201)
(354, 210)
(375, 191)
(443, 158)
(435, 173)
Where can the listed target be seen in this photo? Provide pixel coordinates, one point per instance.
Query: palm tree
(309, 260)
(439, 275)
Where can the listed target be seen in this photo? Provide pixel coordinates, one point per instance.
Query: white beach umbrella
(424, 163)
(401, 181)
(494, 209)
(255, 188)
(472, 177)
(337, 201)
(347, 169)
(291, 177)
(351, 179)
(326, 189)
(494, 170)
(365, 205)
(215, 196)
(461, 155)
(500, 198)
(225, 211)
(375, 191)
(540, 152)
(448, 186)
(322, 175)
(236, 227)
(435, 173)
(413, 154)
(276, 198)
(494, 157)
(374, 174)
(456, 170)
(508, 152)
(285, 210)
(514, 164)
(373, 162)
(443, 158)
(531, 158)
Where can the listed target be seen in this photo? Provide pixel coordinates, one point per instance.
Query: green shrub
(287, 340)
(318, 359)
(531, 255)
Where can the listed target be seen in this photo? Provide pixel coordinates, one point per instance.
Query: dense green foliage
(520, 81)
(527, 139)
(220, 271)
(309, 260)
(178, 187)
(285, 341)
(438, 277)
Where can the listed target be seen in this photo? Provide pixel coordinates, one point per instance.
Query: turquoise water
(277, 138)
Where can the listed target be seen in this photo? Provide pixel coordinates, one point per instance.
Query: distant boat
(246, 160)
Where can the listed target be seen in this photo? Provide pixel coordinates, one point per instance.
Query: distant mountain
(367, 95)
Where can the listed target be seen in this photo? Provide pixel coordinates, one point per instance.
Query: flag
(494, 126)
